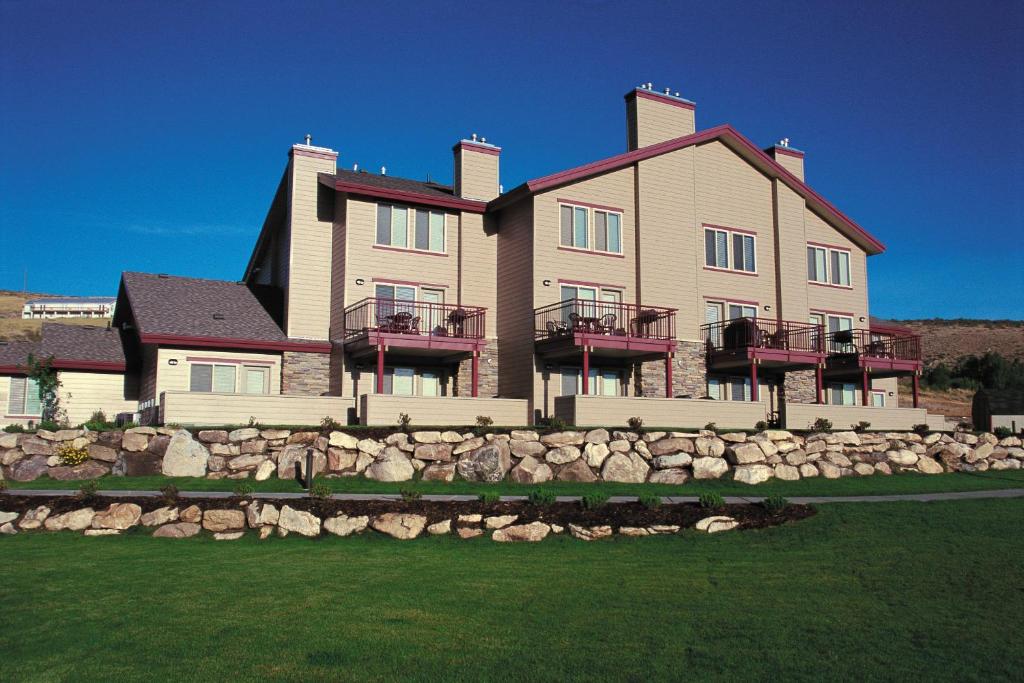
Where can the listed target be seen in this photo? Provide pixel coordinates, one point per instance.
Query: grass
(818, 486)
(891, 591)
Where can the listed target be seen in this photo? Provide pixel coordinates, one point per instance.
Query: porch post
(916, 379)
(818, 384)
(586, 370)
(380, 368)
(668, 375)
(753, 381)
(476, 373)
(865, 387)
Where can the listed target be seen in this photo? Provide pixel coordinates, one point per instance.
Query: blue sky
(151, 135)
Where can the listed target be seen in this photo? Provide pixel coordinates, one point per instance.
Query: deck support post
(586, 370)
(668, 375)
(476, 373)
(753, 381)
(818, 384)
(917, 379)
(865, 388)
(380, 368)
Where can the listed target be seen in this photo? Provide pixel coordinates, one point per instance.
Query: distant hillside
(13, 327)
(947, 340)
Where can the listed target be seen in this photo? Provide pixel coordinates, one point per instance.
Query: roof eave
(235, 343)
(402, 195)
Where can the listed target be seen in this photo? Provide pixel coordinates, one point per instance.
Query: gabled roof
(399, 189)
(725, 134)
(72, 347)
(185, 311)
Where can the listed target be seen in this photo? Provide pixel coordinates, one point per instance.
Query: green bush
(650, 501)
(775, 504)
(711, 427)
(89, 488)
(409, 494)
(822, 424)
(97, 422)
(711, 500)
(49, 425)
(593, 501)
(329, 424)
(404, 421)
(483, 421)
(489, 497)
(169, 494)
(760, 426)
(557, 424)
(542, 497)
(920, 429)
(321, 491)
(244, 490)
(3, 485)
(635, 423)
(861, 426)
(1003, 432)
(14, 429)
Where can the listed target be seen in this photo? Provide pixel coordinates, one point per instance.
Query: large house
(694, 278)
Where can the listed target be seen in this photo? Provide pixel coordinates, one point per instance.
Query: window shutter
(383, 224)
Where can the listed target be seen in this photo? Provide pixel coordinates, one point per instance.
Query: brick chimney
(653, 117)
(789, 158)
(476, 169)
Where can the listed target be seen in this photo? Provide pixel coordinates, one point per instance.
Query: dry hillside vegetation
(13, 327)
(945, 341)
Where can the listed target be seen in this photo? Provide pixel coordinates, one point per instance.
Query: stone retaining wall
(522, 456)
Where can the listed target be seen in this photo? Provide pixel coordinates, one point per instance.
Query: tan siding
(339, 281)
(176, 377)
(514, 303)
(791, 269)
(791, 163)
(377, 409)
(679, 413)
(82, 393)
(826, 298)
(731, 193)
(147, 375)
(186, 408)
(888, 384)
(657, 122)
(309, 285)
(802, 415)
(478, 175)
(477, 258)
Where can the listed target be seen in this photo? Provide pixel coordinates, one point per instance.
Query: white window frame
(597, 380)
(411, 213)
(877, 394)
(417, 379)
(827, 274)
(243, 379)
(718, 384)
(841, 389)
(608, 214)
(728, 255)
(29, 385)
(590, 214)
(213, 377)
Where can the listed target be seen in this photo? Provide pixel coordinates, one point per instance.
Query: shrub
(49, 425)
(775, 504)
(409, 494)
(557, 424)
(760, 426)
(1002, 432)
(244, 490)
(861, 426)
(964, 426)
(650, 501)
(253, 422)
(404, 421)
(70, 455)
(329, 424)
(541, 497)
(169, 494)
(711, 500)
(3, 485)
(635, 423)
(921, 429)
(593, 501)
(89, 488)
(14, 429)
(321, 491)
(822, 424)
(97, 421)
(490, 497)
(711, 427)
(483, 421)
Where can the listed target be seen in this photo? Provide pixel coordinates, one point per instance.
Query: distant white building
(69, 307)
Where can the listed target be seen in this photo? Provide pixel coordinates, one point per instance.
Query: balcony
(422, 327)
(617, 329)
(883, 354)
(777, 344)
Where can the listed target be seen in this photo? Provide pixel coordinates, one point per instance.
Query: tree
(47, 381)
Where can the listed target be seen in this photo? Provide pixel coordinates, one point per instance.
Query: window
(399, 381)
(844, 394)
(828, 266)
(574, 229)
(429, 230)
(730, 388)
(608, 231)
(393, 229)
(606, 382)
(406, 381)
(255, 380)
(24, 397)
(878, 399)
(430, 383)
(716, 250)
(211, 377)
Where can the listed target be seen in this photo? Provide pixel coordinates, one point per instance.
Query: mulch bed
(749, 515)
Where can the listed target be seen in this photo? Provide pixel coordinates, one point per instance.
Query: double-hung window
(601, 382)
(575, 230)
(828, 266)
(608, 231)
(729, 388)
(212, 377)
(719, 241)
(24, 398)
(844, 394)
(405, 228)
(429, 230)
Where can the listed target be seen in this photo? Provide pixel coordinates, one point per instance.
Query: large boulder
(713, 525)
(929, 466)
(559, 439)
(391, 465)
(36, 446)
(223, 520)
(160, 516)
(433, 451)
(138, 464)
(595, 453)
(90, 469)
(671, 476)
(76, 520)
(488, 463)
(530, 471)
(627, 468)
(34, 518)
(185, 457)
(709, 468)
(134, 441)
(562, 455)
(299, 521)
(787, 472)
(101, 452)
(532, 532)
(118, 516)
(577, 470)
(671, 445)
(402, 526)
(177, 530)
(296, 454)
(439, 471)
(664, 462)
(745, 453)
(753, 474)
(343, 525)
(28, 469)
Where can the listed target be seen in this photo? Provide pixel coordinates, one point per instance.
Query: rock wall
(521, 456)
(304, 373)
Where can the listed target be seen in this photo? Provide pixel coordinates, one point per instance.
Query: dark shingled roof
(386, 182)
(79, 342)
(15, 354)
(192, 307)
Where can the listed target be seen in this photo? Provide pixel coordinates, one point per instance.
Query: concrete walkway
(913, 497)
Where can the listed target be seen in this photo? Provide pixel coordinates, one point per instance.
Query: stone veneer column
(488, 369)
(689, 375)
(303, 373)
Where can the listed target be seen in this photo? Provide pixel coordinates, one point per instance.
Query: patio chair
(607, 323)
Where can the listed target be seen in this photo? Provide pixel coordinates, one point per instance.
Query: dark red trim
(730, 270)
(387, 340)
(828, 246)
(410, 197)
(615, 209)
(493, 150)
(315, 153)
(846, 314)
(624, 343)
(579, 283)
(787, 151)
(726, 228)
(13, 370)
(725, 300)
(886, 328)
(107, 365)
(595, 252)
(409, 251)
(829, 284)
(645, 94)
(224, 342)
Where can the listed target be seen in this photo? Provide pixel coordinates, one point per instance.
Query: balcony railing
(762, 333)
(414, 318)
(604, 318)
(874, 344)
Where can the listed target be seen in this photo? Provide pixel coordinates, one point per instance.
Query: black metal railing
(874, 344)
(423, 318)
(762, 333)
(604, 317)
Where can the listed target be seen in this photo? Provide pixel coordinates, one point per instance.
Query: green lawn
(818, 486)
(894, 591)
